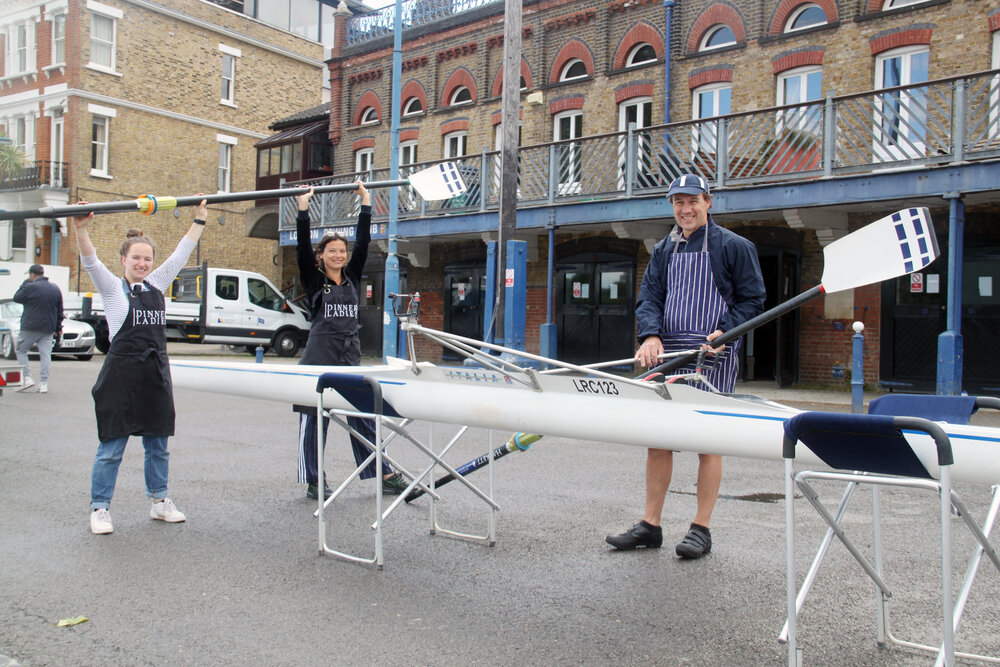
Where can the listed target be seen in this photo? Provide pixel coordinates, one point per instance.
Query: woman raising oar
(331, 283)
(133, 394)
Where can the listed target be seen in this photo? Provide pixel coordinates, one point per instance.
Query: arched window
(369, 116)
(805, 16)
(717, 37)
(574, 69)
(460, 96)
(412, 107)
(640, 55)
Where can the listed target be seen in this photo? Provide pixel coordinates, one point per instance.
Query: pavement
(241, 582)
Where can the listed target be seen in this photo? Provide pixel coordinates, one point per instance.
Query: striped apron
(692, 310)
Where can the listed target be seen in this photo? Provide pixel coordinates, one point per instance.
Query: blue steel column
(515, 294)
(389, 321)
(547, 340)
(950, 357)
(490, 298)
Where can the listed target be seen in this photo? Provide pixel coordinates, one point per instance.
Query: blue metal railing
(939, 122)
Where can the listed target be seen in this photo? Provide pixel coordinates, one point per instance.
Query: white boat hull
(674, 417)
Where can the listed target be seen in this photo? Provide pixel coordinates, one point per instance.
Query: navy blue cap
(688, 184)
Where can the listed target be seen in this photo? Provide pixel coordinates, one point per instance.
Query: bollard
(260, 354)
(858, 370)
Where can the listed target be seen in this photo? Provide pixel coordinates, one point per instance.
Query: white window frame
(369, 116)
(407, 107)
(112, 14)
(226, 144)
(710, 33)
(456, 144)
(564, 73)
(809, 118)
(20, 55)
(408, 156)
(895, 4)
(801, 9)
(57, 147)
(570, 155)
(228, 91)
(101, 167)
(58, 43)
(452, 102)
(364, 161)
(631, 61)
(886, 144)
(706, 138)
(643, 118)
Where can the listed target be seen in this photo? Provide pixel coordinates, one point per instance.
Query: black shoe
(641, 534)
(312, 491)
(394, 485)
(696, 543)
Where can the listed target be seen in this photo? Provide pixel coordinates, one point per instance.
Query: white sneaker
(100, 522)
(165, 510)
(43, 388)
(27, 384)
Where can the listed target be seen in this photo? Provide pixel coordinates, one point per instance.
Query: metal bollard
(259, 354)
(858, 370)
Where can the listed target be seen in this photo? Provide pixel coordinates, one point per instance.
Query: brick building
(589, 69)
(114, 99)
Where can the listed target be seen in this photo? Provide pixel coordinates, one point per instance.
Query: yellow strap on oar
(149, 205)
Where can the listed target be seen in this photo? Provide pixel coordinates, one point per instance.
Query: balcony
(952, 122)
(42, 174)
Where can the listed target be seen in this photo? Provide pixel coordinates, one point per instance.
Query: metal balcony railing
(42, 174)
(932, 123)
(367, 27)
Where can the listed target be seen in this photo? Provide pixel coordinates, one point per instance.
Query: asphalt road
(241, 582)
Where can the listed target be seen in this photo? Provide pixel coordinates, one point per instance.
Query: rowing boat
(585, 407)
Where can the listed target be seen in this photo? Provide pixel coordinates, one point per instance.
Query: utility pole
(390, 336)
(509, 126)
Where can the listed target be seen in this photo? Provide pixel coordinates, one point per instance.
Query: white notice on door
(933, 283)
(614, 292)
(985, 285)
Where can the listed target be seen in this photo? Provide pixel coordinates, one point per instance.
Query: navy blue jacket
(734, 267)
(43, 305)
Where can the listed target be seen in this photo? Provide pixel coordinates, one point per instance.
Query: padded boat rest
(362, 391)
(951, 409)
(871, 443)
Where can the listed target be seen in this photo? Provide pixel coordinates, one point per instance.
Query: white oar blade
(442, 181)
(894, 246)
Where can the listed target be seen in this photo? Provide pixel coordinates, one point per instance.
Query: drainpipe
(668, 6)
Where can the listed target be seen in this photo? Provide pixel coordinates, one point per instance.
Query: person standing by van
(331, 283)
(133, 394)
(41, 322)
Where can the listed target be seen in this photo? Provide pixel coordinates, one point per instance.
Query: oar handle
(151, 204)
(738, 331)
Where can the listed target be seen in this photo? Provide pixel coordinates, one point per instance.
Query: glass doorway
(595, 309)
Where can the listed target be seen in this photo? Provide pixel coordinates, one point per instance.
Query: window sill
(228, 103)
(102, 69)
(52, 70)
(25, 77)
(95, 173)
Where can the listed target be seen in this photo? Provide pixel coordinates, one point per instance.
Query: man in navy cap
(701, 281)
(41, 319)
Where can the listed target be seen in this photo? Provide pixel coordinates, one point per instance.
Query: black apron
(333, 337)
(134, 394)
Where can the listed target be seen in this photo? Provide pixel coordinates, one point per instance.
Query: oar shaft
(464, 470)
(738, 331)
(166, 203)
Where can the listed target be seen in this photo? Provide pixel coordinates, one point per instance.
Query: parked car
(77, 338)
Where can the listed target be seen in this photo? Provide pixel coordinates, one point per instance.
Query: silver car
(77, 338)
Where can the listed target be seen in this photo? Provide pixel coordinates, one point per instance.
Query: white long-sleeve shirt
(110, 285)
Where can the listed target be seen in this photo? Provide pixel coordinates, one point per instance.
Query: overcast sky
(379, 3)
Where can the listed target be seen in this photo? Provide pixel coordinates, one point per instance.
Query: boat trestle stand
(365, 395)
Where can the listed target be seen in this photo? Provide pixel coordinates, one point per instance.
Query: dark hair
(135, 236)
(327, 238)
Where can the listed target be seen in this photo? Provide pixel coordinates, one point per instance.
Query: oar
(442, 181)
(517, 442)
(893, 246)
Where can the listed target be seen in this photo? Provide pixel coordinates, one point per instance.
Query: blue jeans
(109, 457)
